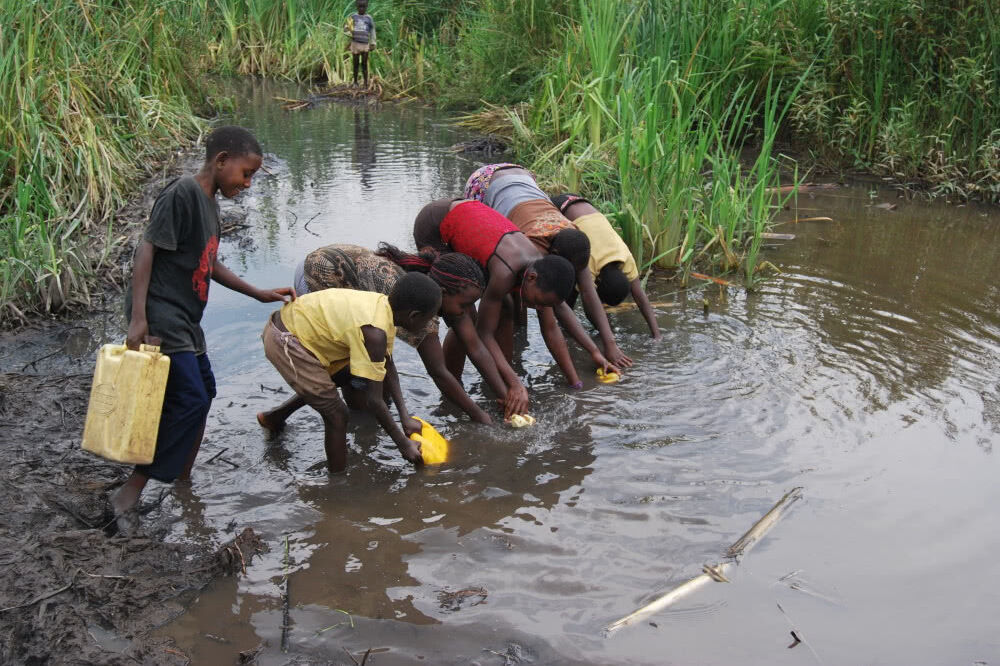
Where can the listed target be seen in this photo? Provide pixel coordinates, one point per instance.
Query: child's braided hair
(453, 271)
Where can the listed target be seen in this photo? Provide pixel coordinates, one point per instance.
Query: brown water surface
(868, 373)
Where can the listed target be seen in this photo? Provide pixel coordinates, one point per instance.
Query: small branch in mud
(43, 597)
(272, 390)
(224, 449)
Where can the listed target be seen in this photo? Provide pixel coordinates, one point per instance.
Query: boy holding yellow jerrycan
(172, 269)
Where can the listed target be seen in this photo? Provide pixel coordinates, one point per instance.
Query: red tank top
(475, 229)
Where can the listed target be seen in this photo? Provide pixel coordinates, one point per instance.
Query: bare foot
(268, 423)
(124, 502)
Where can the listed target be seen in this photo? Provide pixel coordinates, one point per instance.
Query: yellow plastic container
(521, 420)
(433, 447)
(126, 399)
(607, 377)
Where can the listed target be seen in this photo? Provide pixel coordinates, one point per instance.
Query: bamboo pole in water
(715, 573)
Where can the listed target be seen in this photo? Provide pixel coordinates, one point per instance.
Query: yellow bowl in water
(607, 378)
(521, 420)
(433, 447)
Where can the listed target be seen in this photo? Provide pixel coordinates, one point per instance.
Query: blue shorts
(189, 394)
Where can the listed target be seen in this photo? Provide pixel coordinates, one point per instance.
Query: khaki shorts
(309, 378)
(358, 48)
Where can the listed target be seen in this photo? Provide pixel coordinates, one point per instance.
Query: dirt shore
(72, 591)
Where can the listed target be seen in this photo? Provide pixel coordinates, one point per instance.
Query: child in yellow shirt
(611, 263)
(344, 338)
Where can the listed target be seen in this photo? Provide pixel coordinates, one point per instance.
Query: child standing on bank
(361, 28)
(172, 269)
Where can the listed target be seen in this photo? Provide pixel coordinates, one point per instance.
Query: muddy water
(867, 373)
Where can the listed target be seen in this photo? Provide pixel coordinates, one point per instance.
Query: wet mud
(71, 590)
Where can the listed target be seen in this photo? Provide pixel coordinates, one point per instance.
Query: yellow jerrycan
(126, 399)
(433, 447)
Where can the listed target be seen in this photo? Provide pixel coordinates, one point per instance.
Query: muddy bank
(70, 589)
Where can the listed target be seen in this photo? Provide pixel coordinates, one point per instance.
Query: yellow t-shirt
(606, 246)
(328, 323)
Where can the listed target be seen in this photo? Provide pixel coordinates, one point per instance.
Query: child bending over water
(513, 264)
(353, 267)
(611, 264)
(344, 338)
(511, 190)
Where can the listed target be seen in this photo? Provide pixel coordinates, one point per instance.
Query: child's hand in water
(604, 364)
(617, 356)
(411, 426)
(517, 401)
(411, 452)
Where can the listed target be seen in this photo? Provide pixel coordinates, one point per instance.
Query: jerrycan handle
(153, 349)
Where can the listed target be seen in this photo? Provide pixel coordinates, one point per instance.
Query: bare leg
(274, 420)
(356, 61)
(186, 473)
(364, 67)
(335, 438)
(127, 497)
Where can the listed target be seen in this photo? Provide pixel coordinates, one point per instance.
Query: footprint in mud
(459, 599)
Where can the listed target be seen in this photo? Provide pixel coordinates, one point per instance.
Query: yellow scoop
(433, 447)
(521, 420)
(607, 378)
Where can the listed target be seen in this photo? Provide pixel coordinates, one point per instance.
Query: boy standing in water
(361, 28)
(171, 272)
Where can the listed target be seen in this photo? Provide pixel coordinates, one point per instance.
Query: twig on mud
(350, 655)
(43, 597)
(272, 390)
(306, 225)
(364, 660)
(42, 358)
(224, 449)
(229, 462)
(106, 576)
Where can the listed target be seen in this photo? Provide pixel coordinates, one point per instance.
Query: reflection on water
(867, 372)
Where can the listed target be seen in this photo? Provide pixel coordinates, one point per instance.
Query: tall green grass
(644, 104)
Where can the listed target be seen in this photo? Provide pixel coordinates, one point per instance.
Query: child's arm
(595, 312)
(556, 343)
(572, 324)
(640, 298)
(142, 269)
(480, 356)
(486, 326)
(433, 358)
(229, 279)
(410, 425)
(375, 345)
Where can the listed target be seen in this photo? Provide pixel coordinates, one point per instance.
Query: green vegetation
(648, 106)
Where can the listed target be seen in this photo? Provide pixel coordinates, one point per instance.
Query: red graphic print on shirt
(202, 274)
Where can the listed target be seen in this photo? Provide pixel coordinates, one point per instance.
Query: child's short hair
(416, 291)
(612, 284)
(574, 245)
(555, 275)
(235, 141)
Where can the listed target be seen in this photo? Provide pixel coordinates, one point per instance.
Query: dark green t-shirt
(184, 228)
